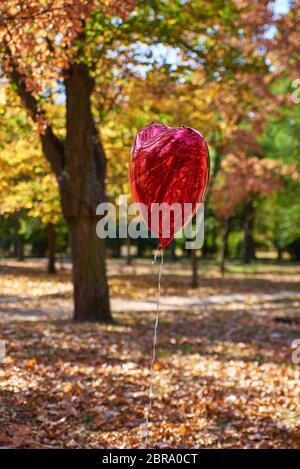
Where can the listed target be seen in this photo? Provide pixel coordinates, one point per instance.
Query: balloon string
(148, 410)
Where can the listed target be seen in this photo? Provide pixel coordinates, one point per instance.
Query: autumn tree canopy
(105, 63)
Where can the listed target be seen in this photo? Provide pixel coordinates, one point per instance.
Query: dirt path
(23, 308)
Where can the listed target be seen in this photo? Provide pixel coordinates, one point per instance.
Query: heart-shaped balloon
(169, 172)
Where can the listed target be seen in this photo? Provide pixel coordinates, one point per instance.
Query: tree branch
(53, 147)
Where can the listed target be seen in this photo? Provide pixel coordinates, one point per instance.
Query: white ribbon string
(148, 410)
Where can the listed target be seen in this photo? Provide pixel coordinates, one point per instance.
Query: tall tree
(75, 49)
(42, 50)
(241, 180)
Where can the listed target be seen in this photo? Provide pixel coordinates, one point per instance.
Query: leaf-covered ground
(224, 377)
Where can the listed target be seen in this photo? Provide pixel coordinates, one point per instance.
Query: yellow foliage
(26, 179)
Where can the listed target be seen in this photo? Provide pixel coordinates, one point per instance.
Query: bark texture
(89, 272)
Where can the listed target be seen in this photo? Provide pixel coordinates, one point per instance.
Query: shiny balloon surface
(168, 166)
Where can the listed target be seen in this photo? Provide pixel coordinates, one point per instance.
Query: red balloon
(168, 166)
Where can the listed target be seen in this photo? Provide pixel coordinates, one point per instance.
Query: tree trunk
(82, 189)
(20, 248)
(173, 251)
(89, 272)
(61, 262)
(128, 251)
(51, 248)
(224, 250)
(249, 250)
(79, 165)
(140, 250)
(194, 261)
(279, 254)
(279, 250)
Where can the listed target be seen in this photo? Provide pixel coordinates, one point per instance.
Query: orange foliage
(244, 176)
(41, 35)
